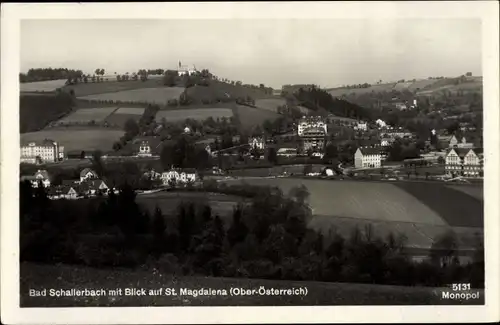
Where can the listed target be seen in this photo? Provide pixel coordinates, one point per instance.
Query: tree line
(44, 74)
(267, 238)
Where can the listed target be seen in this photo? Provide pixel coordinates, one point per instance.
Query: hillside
(416, 87)
(36, 276)
(221, 91)
(37, 111)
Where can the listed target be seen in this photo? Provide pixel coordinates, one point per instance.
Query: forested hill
(317, 99)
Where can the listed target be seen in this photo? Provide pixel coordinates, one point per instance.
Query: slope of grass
(37, 111)
(455, 207)
(250, 117)
(221, 91)
(94, 88)
(36, 276)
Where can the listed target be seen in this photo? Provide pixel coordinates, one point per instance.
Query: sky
(328, 53)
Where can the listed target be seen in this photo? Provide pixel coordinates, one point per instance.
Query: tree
(159, 225)
(131, 127)
(272, 155)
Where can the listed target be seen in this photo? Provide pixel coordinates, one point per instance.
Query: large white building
(46, 151)
(466, 162)
(257, 142)
(311, 122)
(368, 157)
(179, 176)
(184, 69)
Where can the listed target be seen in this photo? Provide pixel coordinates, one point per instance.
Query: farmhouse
(39, 176)
(63, 192)
(87, 173)
(464, 162)
(183, 176)
(368, 157)
(46, 151)
(92, 187)
(311, 122)
(257, 142)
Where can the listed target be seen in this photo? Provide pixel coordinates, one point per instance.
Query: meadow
(251, 117)
(420, 211)
(195, 113)
(86, 115)
(338, 92)
(77, 139)
(123, 114)
(270, 104)
(94, 88)
(158, 95)
(42, 86)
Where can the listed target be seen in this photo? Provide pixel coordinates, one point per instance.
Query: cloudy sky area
(275, 52)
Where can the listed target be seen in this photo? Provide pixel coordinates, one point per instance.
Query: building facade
(144, 149)
(312, 132)
(467, 162)
(366, 157)
(179, 176)
(46, 151)
(257, 142)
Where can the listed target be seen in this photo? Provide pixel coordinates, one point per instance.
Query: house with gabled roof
(87, 173)
(93, 187)
(368, 157)
(39, 176)
(466, 162)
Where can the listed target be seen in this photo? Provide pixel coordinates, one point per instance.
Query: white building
(257, 142)
(46, 151)
(386, 142)
(309, 123)
(40, 175)
(361, 126)
(366, 157)
(185, 70)
(464, 162)
(381, 124)
(182, 176)
(144, 149)
(87, 174)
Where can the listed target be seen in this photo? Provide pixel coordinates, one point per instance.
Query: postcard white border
(487, 11)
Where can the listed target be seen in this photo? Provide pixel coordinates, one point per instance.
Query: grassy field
(159, 95)
(86, 115)
(337, 92)
(270, 104)
(455, 207)
(91, 88)
(76, 138)
(36, 276)
(36, 111)
(42, 86)
(123, 114)
(251, 117)
(195, 113)
(421, 211)
(474, 191)
(421, 84)
(218, 90)
(363, 200)
(223, 205)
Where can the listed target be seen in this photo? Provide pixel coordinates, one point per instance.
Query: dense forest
(315, 99)
(43, 74)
